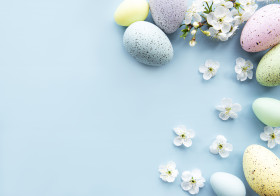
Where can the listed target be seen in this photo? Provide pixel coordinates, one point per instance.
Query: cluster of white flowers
(271, 135)
(243, 69)
(192, 180)
(217, 18)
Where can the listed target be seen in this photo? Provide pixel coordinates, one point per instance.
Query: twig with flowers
(218, 19)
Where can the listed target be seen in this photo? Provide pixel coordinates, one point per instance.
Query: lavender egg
(168, 14)
(147, 44)
(262, 31)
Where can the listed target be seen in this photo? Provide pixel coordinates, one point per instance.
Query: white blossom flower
(226, 4)
(220, 19)
(271, 135)
(221, 147)
(192, 181)
(184, 136)
(168, 173)
(210, 69)
(193, 12)
(228, 109)
(244, 69)
(192, 43)
(218, 34)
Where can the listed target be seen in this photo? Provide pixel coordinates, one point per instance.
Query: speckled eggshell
(262, 170)
(262, 31)
(267, 111)
(147, 44)
(225, 184)
(168, 14)
(268, 70)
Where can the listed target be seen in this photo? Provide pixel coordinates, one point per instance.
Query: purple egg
(168, 14)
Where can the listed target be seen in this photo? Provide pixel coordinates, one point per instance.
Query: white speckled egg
(262, 170)
(262, 31)
(147, 44)
(168, 14)
(225, 184)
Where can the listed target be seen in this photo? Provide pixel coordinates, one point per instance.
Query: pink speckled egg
(262, 31)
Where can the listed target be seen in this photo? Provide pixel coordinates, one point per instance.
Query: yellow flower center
(183, 136)
(272, 136)
(220, 146)
(169, 173)
(228, 110)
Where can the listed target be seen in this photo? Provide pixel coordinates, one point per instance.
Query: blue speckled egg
(147, 44)
(168, 14)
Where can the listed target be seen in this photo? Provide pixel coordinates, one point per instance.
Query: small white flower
(221, 147)
(228, 109)
(168, 173)
(271, 135)
(217, 34)
(244, 69)
(192, 43)
(192, 181)
(184, 136)
(210, 69)
(193, 12)
(220, 19)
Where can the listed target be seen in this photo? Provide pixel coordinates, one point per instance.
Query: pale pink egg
(262, 31)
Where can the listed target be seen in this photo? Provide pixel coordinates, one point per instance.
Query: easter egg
(168, 14)
(130, 11)
(267, 111)
(262, 31)
(262, 170)
(147, 44)
(225, 184)
(268, 70)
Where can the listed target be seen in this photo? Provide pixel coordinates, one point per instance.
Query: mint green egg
(268, 70)
(268, 111)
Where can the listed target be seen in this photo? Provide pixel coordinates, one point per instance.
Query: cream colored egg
(130, 11)
(262, 170)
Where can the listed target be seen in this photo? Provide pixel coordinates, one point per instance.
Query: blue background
(79, 116)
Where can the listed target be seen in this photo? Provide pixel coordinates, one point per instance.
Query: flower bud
(196, 24)
(192, 43)
(193, 32)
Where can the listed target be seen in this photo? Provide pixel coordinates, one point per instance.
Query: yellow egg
(130, 11)
(262, 170)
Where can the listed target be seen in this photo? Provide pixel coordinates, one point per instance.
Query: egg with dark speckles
(168, 14)
(148, 44)
(268, 70)
(262, 170)
(262, 31)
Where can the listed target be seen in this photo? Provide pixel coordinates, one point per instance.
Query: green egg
(268, 71)
(268, 111)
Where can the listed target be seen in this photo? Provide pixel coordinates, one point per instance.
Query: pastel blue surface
(79, 116)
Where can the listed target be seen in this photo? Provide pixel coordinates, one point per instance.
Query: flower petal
(190, 133)
(171, 165)
(250, 74)
(224, 116)
(202, 69)
(194, 190)
(227, 102)
(224, 153)
(228, 147)
(268, 130)
(207, 75)
(220, 108)
(187, 142)
(186, 185)
(240, 61)
(221, 139)
(264, 137)
(186, 176)
(178, 141)
(214, 149)
(196, 173)
(236, 107)
(271, 143)
(179, 130)
(233, 114)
